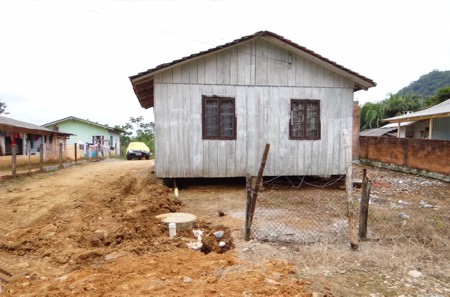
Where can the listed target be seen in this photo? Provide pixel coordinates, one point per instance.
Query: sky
(61, 58)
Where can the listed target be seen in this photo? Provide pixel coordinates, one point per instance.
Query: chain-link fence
(293, 209)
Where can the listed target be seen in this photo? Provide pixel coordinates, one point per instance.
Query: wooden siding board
(234, 66)
(243, 64)
(241, 137)
(186, 137)
(176, 75)
(222, 158)
(328, 127)
(196, 131)
(223, 67)
(261, 62)
(164, 119)
(213, 153)
(173, 107)
(253, 64)
(168, 76)
(159, 120)
(193, 75)
(292, 70)
(231, 158)
(158, 78)
(201, 71)
(283, 159)
(272, 75)
(346, 96)
(211, 69)
(260, 97)
(314, 77)
(271, 127)
(185, 73)
(251, 127)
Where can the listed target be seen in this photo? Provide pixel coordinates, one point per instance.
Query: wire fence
(292, 209)
(297, 210)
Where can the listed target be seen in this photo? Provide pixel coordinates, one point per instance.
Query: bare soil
(91, 230)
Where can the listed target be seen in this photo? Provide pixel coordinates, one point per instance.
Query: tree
(2, 108)
(372, 115)
(440, 96)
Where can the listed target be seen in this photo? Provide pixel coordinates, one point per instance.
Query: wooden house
(216, 110)
(89, 132)
(29, 138)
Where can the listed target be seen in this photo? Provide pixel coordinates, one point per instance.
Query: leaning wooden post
(41, 157)
(14, 160)
(348, 189)
(258, 182)
(248, 187)
(364, 207)
(60, 155)
(75, 145)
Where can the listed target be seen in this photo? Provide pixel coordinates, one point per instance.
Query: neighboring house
(389, 130)
(88, 132)
(431, 123)
(26, 135)
(216, 110)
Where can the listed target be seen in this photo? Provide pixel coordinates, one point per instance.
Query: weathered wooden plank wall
(262, 78)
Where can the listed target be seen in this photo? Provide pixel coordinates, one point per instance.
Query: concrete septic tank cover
(183, 221)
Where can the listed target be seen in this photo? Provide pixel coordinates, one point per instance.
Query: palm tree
(372, 115)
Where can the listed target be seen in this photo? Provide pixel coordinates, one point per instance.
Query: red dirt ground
(91, 230)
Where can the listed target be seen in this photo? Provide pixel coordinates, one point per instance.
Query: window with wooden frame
(305, 119)
(218, 118)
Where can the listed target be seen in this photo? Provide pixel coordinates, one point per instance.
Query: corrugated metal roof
(144, 92)
(9, 124)
(440, 110)
(72, 118)
(377, 132)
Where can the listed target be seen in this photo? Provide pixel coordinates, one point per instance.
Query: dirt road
(91, 230)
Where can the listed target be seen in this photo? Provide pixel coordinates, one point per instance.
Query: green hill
(427, 84)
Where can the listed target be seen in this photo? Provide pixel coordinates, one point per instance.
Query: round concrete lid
(181, 219)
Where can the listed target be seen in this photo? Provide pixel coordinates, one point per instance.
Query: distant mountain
(427, 84)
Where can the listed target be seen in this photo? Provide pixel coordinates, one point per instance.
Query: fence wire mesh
(401, 208)
(291, 209)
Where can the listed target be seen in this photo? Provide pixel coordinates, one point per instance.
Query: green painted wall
(84, 132)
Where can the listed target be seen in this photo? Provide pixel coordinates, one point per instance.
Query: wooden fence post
(28, 146)
(248, 188)
(60, 156)
(254, 195)
(75, 145)
(14, 160)
(41, 157)
(348, 189)
(364, 206)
